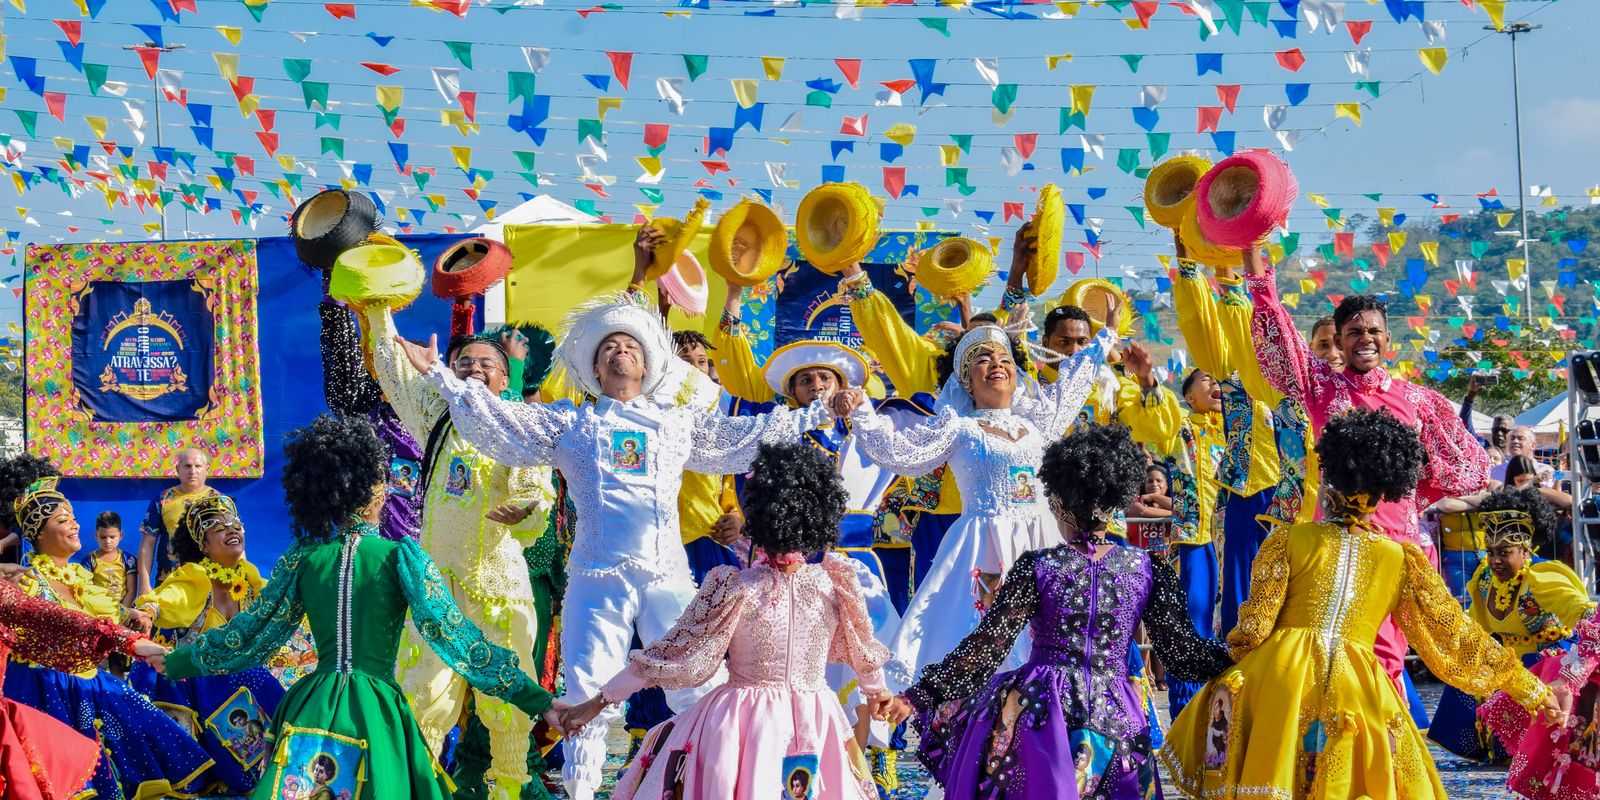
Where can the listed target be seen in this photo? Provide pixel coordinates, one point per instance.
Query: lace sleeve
(854, 644)
(489, 668)
(415, 403)
(1580, 662)
(346, 384)
(913, 450)
(1186, 654)
(1061, 399)
(56, 637)
(1451, 644)
(689, 654)
(1269, 583)
(1284, 358)
(253, 636)
(972, 663)
(724, 445)
(1457, 463)
(530, 488)
(514, 434)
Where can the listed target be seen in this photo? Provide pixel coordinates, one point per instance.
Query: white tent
(1546, 417)
(541, 210)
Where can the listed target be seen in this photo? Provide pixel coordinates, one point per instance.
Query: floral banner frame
(228, 427)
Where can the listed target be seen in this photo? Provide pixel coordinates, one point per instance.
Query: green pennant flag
(1371, 87)
(1128, 159)
(421, 178)
(526, 159)
(955, 176)
(1117, 5)
(1005, 94)
(930, 211)
(530, 177)
(1258, 12)
(1479, 248)
(1290, 243)
(329, 119)
(1205, 30)
(432, 206)
(315, 93)
(657, 150)
(696, 65)
(520, 84)
(939, 24)
(298, 69)
(587, 207)
(389, 116)
(462, 52)
(96, 75)
(965, 190)
(1328, 253)
(652, 194)
(294, 179)
(1138, 214)
(819, 98)
(1232, 12)
(1557, 236)
(1132, 60)
(590, 129)
(1158, 144)
(486, 175)
(1333, 213)
(29, 120)
(1374, 197)
(272, 186)
(333, 144)
(1070, 119)
(963, 141)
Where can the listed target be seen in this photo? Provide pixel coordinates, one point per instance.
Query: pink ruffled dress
(775, 725)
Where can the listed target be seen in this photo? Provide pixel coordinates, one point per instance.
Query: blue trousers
(1197, 571)
(1242, 536)
(925, 538)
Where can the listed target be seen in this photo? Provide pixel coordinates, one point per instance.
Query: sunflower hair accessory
(207, 512)
(1507, 528)
(36, 505)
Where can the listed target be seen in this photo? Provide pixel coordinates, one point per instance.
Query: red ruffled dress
(40, 757)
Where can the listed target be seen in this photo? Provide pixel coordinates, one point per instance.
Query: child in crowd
(112, 567)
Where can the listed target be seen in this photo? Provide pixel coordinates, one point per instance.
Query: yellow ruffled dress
(1307, 710)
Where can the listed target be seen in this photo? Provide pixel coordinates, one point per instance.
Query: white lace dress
(995, 454)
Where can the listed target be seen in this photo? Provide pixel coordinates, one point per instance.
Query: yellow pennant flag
(646, 210)
(216, 182)
(463, 157)
(1430, 251)
(744, 89)
(63, 143)
(437, 199)
(22, 186)
(1548, 201)
(1291, 300)
(83, 7)
(1386, 217)
(1423, 302)
(605, 104)
(1433, 58)
(478, 182)
(1050, 62)
(401, 214)
(1351, 110)
(248, 105)
(152, 227)
(1307, 285)
(949, 155)
(901, 133)
(651, 165)
(98, 125)
(287, 162)
(230, 33)
(1516, 266)
(1496, 9)
(673, 14)
(1334, 224)
(1320, 200)
(1397, 241)
(1082, 96)
(347, 184)
(227, 66)
(1166, 261)
(773, 67)
(458, 118)
(1503, 218)
(1068, 9)
(389, 97)
(20, 6)
(1275, 249)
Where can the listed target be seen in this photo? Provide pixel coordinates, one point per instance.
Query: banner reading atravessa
(142, 352)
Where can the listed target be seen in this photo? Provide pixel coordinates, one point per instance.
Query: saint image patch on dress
(1219, 726)
(458, 480)
(241, 726)
(1091, 757)
(629, 449)
(319, 765)
(1021, 487)
(800, 777)
(403, 475)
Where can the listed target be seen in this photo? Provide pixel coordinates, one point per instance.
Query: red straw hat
(1241, 199)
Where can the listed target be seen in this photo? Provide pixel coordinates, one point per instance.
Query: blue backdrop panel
(291, 396)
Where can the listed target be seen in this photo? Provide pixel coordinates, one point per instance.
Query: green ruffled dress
(345, 731)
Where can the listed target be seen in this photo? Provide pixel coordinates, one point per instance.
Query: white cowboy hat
(793, 357)
(590, 323)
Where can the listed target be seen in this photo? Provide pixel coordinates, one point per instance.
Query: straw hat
(1094, 296)
(685, 285)
(330, 223)
(1203, 250)
(807, 353)
(1049, 217)
(1240, 200)
(748, 244)
(679, 236)
(587, 325)
(469, 267)
(837, 225)
(376, 275)
(1169, 190)
(954, 267)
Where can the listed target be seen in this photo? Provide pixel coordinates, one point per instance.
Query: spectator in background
(112, 568)
(1499, 428)
(1521, 443)
(1325, 343)
(155, 554)
(695, 349)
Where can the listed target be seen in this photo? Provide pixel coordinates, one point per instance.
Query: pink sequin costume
(779, 632)
(1457, 464)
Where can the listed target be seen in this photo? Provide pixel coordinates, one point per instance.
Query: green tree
(1527, 366)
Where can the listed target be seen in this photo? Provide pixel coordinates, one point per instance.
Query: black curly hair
(183, 544)
(1355, 304)
(794, 499)
(330, 470)
(946, 362)
(1093, 470)
(1061, 314)
(1529, 502)
(16, 475)
(1372, 453)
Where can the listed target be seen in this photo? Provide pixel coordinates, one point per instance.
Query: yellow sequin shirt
(1307, 710)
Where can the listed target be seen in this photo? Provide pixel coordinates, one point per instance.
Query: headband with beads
(195, 513)
(36, 505)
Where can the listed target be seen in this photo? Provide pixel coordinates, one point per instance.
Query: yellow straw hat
(1169, 190)
(748, 245)
(376, 275)
(954, 267)
(1094, 296)
(679, 236)
(1204, 251)
(1049, 217)
(837, 225)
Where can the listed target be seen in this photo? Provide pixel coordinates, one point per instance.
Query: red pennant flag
(243, 87)
(1074, 262)
(900, 86)
(57, 103)
(267, 117)
(1344, 245)
(469, 104)
(1358, 30)
(1026, 143)
(1291, 60)
(179, 6)
(715, 167)
(585, 12)
(1449, 218)
(158, 169)
(1229, 95)
(72, 229)
(341, 10)
(151, 57)
(73, 28)
(621, 66)
(1009, 210)
(1335, 299)
(381, 69)
(471, 193)
(398, 127)
(1208, 117)
(1145, 12)
(237, 218)
(456, 7)
(245, 164)
(110, 147)
(655, 134)
(269, 142)
(138, 200)
(894, 181)
(851, 67)
(1093, 248)
(854, 126)
(702, 184)
(1318, 275)
(1380, 251)
(1453, 285)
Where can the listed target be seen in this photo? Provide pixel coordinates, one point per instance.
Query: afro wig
(331, 468)
(16, 475)
(945, 364)
(1092, 471)
(794, 500)
(1371, 453)
(1529, 502)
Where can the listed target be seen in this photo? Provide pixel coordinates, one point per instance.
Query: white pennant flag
(1311, 12)
(1094, 143)
(1359, 61)
(537, 57)
(1434, 30)
(887, 97)
(1464, 269)
(846, 9)
(448, 80)
(989, 68)
(1204, 13)
(303, 36)
(953, 205)
(1274, 116)
(1465, 301)
(777, 173)
(170, 81)
(1153, 95)
(135, 113)
(114, 88)
(1332, 17)
(1501, 286)
(1287, 139)
(1011, 159)
(794, 124)
(671, 90)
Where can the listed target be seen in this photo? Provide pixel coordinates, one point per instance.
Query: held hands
(139, 620)
(895, 709)
(574, 718)
(421, 358)
(727, 528)
(847, 401)
(1551, 709)
(12, 573)
(555, 715)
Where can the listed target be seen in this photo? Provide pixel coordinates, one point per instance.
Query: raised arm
(913, 450)
(1186, 654)
(1269, 582)
(1059, 401)
(56, 637)
(417, 404)
(253, 636)
(724, 445)
(1283, 355)
(736, 361)
(1457, 463)
(908, 359)
(489, 668)
(346, 383)
(967, 668)
(1198, 321)
(180, 599)
(854, 643)
(689, 654)
(514, 434)
(1234, 312)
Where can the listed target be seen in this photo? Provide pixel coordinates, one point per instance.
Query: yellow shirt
(1157, 422)
(1549, 601)
(186, 591)
(174, 503)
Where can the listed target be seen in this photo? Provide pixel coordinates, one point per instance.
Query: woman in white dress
(992, 428)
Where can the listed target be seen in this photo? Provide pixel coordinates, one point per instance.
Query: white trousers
(599, 616)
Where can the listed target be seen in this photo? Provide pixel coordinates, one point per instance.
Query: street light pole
(1522, 187)
(156, 92)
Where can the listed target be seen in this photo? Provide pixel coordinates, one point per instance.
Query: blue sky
(1448, 134)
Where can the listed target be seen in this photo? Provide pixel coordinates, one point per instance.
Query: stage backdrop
(290, 389)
